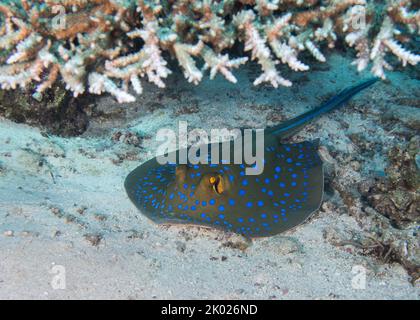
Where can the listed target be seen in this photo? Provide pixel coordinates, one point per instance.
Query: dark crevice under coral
(58, 113)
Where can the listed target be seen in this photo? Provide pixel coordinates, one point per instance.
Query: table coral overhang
(109, 45)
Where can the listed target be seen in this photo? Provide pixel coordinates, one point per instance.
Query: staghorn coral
(111, 45)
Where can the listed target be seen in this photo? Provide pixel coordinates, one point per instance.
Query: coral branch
(113, 45)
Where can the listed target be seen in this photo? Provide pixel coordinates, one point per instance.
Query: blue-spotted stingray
(286, 193)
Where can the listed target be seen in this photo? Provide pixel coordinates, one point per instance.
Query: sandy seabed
(68, 230)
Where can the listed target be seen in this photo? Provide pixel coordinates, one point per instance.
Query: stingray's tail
(288, 128)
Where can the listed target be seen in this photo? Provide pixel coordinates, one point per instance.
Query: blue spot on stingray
(270, 193)
(278, 169)
(231, 178)
(287, 194)
(193, 208)
(293, 184)
(221, 208)
(249, 204)
(185, 186)
(263, 215)
(288, 160)
(232, 202)
(171, 196)
(282, 185)
(240, 220)
(251, 220)
(242, 192)
(204, 203)
(221, 216)
(267, 181)
(244, 182)
(260, 203)
(212, 202)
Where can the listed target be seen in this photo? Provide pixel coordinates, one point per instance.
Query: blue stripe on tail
(289, 127)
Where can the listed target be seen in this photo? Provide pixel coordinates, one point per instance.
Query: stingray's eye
(217, 183)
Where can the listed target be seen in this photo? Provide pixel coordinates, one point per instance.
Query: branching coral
(111, 45)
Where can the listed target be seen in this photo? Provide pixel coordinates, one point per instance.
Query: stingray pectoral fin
(300, 192)
(130, 183)
(315, 191)
(146, 187)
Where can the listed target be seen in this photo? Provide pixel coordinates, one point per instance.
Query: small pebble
(56, 234)
(9, 233)
(180, 246)
(93, 239)
(355, 165)
(81, 210)
(100, 217)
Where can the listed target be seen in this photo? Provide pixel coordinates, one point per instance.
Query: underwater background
(64, 210)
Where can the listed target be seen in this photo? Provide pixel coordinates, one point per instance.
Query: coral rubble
(398, 197)
(109, 45)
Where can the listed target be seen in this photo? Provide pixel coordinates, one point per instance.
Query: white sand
(58, 194)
